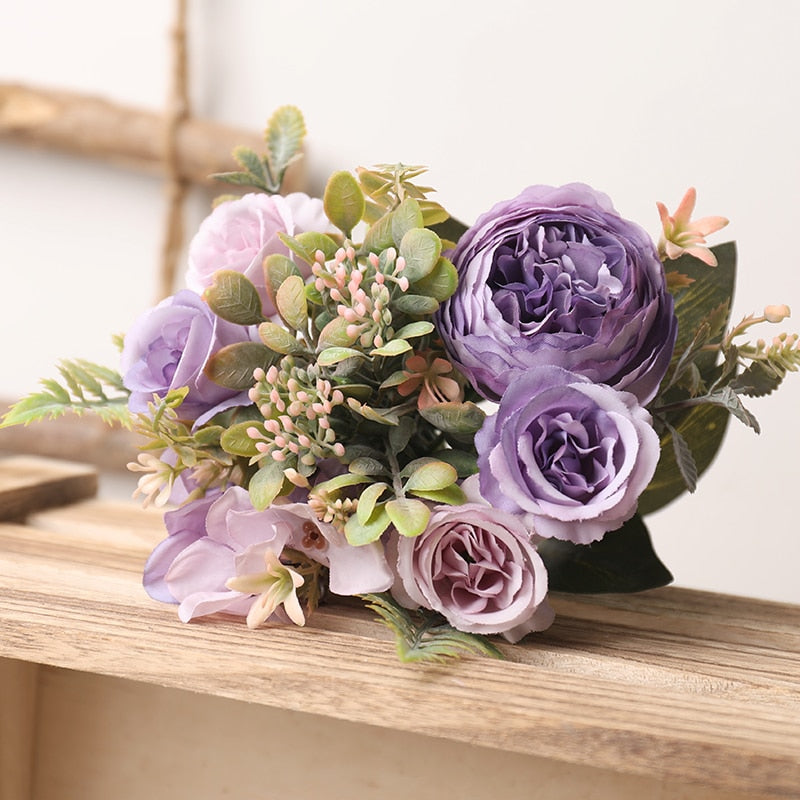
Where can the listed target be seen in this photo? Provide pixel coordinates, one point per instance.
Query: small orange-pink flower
(682, 235)
(429, 374)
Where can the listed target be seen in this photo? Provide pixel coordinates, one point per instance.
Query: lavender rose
(240, 233)
(556, 276)
(572, 455)
(168, 347)
(477, 567)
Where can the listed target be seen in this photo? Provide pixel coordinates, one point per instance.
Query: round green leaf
(343, 201)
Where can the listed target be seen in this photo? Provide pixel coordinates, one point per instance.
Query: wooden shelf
(675, 685)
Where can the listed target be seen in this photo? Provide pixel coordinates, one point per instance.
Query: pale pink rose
(239, 234)
(478, 568)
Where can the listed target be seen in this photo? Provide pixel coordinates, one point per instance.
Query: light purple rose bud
(168, 347)
(556, 276)
(239, 234)
(571, 455)
(478, 568)
(237, 536)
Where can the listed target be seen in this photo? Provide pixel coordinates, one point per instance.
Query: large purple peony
(556, 276)
(168, 347)
(571, 455)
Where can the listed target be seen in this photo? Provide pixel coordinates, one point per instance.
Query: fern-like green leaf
(424, 636)
(85, 387)
(284, 135)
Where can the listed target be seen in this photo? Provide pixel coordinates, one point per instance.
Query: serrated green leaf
(415, 329)
(758, 379)
(622, 561)
(395, 347)
(343, 201)
(284, 136)
(234, 298)
(266, 485)
(252, 163)
(360, 533)
(440, 283)
(409, 517)
(415, 305)
(731, 401)
(406, 217)
(232, 366)
(432, 476)
(421, 249)
(290, 301)
(683, 459)
(234, 178)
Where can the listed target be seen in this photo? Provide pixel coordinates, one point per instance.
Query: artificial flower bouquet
(359, 396)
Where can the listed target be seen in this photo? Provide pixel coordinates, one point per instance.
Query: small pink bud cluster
(362, 292)
(297, 429)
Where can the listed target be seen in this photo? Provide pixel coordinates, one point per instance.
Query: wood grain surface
(672, 684)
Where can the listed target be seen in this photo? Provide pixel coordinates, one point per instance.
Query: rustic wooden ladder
(669, 694)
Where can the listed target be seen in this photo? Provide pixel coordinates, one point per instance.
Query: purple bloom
(234, 545)
(478, 568)
(556, 276)
(239, 234)
(573, 455)
(168, 347)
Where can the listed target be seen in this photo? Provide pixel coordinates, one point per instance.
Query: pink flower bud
(777, 313)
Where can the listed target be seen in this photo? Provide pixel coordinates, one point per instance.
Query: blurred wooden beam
(95, 127)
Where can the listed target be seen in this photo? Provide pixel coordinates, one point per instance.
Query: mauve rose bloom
(571, 455)
(478, 568)
(239, 234)
(168, 347)
(236, 539)
(556, 276)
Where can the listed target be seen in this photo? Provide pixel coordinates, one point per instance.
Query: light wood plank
(18, 692)
(675, 685)
(29, 483)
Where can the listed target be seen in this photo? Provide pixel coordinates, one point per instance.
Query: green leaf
(313, 241)
(405, 217)
(458, 419)
(622, 561)
(232, 366)
(333, 355)
(285, 132)
(367, 500)
(252, 163)
(450, 229)
(343, 201)
(759, 379)
(728, 399)
(334, 334)
(465, 464)
(415, 329)
(433, 213)
(290, 300)
(383, 416)
(432, 476)
(400, 435)
(277, 268)
(234, 298)
(415, 305)
(440, 283)
(266, 485)
(235, 178)
(379, 235)
(421, 249)
(424, 636)
(395, 347)
(235, 440)
(364, 465)
(703, 427)
(409, 517)
(683, 458)
(395, 379)
(278, 339)
(451, 495)
(361, 533)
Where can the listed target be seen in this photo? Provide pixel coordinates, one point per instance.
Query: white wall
(639, 99)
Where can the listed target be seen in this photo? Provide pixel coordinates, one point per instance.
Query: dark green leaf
(234, 298)
(728, 399)
(622, 561)
(232, 366)
(683, 458)
(760, 378)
